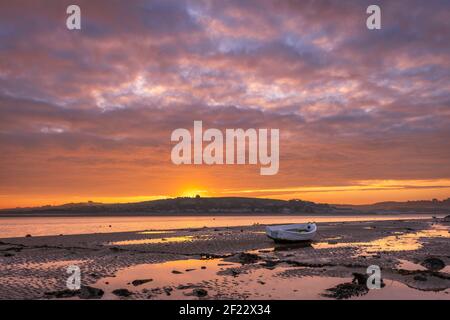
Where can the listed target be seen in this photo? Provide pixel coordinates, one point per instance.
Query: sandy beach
(233, 263)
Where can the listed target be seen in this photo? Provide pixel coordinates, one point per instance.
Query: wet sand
(234, 263)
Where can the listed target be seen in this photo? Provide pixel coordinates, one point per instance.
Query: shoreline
(208, 214)
(73, 225)
(240, 262)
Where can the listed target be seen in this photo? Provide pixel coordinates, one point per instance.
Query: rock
(247, 258)
(168, 290)
(357, 287)
(433, 264)
(188, 270)
(203, 267)
(232, 272)
(28, 236)
(62, 294)
(360, 278)
(270, 263)
(199, 292)
(140, 281)
(446, 218)
(420, 278)
(122, 292)
(8, 255)
(176, 272)
(346, 291)
(87, 292)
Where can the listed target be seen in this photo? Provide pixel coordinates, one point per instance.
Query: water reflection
(19, 227)
(177, 280)
(153, 241)
(398, 242)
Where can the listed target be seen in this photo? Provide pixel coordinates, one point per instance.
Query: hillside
(182, 206)
(421, 206)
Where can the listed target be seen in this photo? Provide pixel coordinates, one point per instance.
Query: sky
(364, 115)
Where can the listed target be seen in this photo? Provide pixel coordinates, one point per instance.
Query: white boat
(292, 232)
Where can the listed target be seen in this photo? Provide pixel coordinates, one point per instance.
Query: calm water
(40, 226)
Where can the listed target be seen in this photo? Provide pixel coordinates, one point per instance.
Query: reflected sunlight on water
(399, 242)
(39, 226)
(156, 240)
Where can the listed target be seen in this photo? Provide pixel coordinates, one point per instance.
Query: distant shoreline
(228, 206)
(208, 214)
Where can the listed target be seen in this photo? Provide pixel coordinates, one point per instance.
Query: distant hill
(421, 206)
(182, 206)
(230, 206)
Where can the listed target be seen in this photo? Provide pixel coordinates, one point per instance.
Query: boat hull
(292, 233)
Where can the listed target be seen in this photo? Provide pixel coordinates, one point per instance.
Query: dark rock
(28, 236)
(247, 258)
(346, 291)
(199, 292)
(140, 281)
(433, 264)
(270, 263)
(168, 290)
(122, 292)
(62, 294)
(357, 287)
(203, 267)
(360, 278)
(420, 278)
(176, 272)
(87, 292)
(231, 271)
(8, 255)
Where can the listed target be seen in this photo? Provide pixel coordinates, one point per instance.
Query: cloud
(352, 104)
